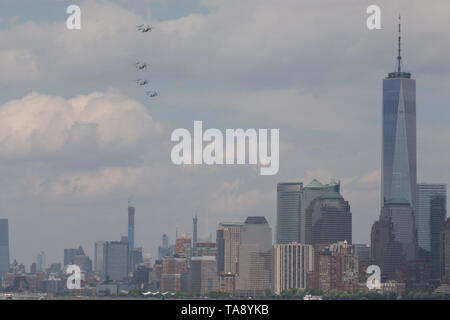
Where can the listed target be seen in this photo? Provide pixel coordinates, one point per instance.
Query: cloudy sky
(78, 138)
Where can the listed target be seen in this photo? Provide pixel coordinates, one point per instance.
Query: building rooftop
(315, 184)
(256, 220)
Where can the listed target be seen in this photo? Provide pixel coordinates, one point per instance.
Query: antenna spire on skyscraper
(399, 57)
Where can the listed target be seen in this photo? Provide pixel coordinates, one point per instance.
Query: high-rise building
(33, 268)
(399, 173)
(183, 245)
(255, 257)
(40, 262)
(204, 278)
(4, 247)
(430, 217)
(293, 201)
(164, 249)
(328, 220)
(336, 268)
(204, 249)
(288, 212)
(173, 270)
(69, 255)
(131, 212)
(400, 213)
(394, 238)
(445, 252)
(386, 251)
(99, 258)
(84, 262)
(135, 258)
(228, 241)
(116, 260)
(291, 265)
(194, 234)
(363, 252)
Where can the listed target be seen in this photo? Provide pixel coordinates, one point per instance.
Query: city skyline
(62, 194)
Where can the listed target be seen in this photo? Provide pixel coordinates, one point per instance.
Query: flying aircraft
(141, 82)
(152, 94)
(144, 29)
(141, 66)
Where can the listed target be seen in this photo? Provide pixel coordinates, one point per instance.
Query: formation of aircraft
(140, 66)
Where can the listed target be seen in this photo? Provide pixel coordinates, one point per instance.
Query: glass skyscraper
(430, 217)
(131, 212)
(4, 247)
(288, 212)
(399, 173)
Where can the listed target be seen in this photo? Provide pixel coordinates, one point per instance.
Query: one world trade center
(399, 173)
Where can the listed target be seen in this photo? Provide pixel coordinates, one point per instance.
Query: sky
(79, 138)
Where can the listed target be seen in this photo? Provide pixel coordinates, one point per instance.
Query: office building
(445, 252)
(228, 241)
(336, 268)
(291, 265)
(164, 250)
(399, 173)
(69, 255)
(40, 262)
(84, 262)
(116, 260)
(255, 257)
(288, 212)
(363, 252)
(204, 249)
(293, 201)
(204, 277)
(328, 220)
(131, 213)
(173, 270)
(394, 236)
(135, 258)
(430, 217)
(183, 245)
(194, 234)
(99, 258)
(4, 247)
(400, 213)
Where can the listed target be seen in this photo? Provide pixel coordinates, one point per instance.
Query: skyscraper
(328, 220)
(288, 212)
(194, 234)
(445, 252)
(99, 258)
(69, 255)
(131, 211)
(336, 268)
(430, 217)
(255, 256)
(399, 173)
(116, 260)
(164, 249)
(4, 247)
(204, 277)
(228, 241)
(291, 264)
(293, 200)
(393, 237)
(40, 262)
